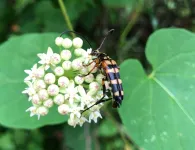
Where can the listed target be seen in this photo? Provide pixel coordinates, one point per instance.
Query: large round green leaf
(159, 109)
(18, 54)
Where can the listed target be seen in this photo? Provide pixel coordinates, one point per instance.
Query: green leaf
(18, 54)
(158, 109)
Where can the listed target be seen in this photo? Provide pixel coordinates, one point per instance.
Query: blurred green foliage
(92, 18)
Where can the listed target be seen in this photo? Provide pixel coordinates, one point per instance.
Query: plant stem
(131, 23)
(66, 17)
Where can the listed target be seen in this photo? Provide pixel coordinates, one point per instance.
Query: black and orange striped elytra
(110, 70)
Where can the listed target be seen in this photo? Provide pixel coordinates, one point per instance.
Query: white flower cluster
(57, 81)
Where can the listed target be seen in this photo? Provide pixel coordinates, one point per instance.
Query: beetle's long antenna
(111, 31)
(78, 34)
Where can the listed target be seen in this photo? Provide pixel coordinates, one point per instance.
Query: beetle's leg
(96, 65)
(88, 64)
(102, 99)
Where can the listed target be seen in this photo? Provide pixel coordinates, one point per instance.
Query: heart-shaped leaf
(18, 54)
(159, 109)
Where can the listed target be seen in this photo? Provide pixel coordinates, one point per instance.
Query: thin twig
(66, 17)
(131, 23)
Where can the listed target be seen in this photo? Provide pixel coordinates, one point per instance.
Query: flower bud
(66, 43)
(94, 86)
(53, 90)
(55, 59)
(79, 51)
(36, 100)
(89, 78)
(48, 103)
(99, 78)
(65, 54)
(77, 42)
(59, 99)
(49, 78)
(76, 64)
(83, 70)
(43, 94)
(58, 41)
(39, 84)
(66, 65)
(63, 81)
(63, 109)
(79, 80)
(42, 111)
(59, 71)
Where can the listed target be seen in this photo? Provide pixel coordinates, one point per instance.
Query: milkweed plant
(59, 79)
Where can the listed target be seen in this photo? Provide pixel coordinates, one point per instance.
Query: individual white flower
(36, 100)
(43, 94)
(34, 73)
(48, 103)
(39, 84)
(30, 90)
(55, 59)
(42, 111)
(33, 110)
(83, 71)
(89, 78)
(63, 81)
(65, 54)
(66, 65)
(63, 109)
(46, 58)
(49, 78)
(79, 52)
(59, 71)
(77, 42)
(86, 57)
(59, 99)
(76, 64)
(71, 93)
(86, 98)
(66, 43)
(53, 90)
(99, 78)
(79, 80)
(94, 115)
(58, 41)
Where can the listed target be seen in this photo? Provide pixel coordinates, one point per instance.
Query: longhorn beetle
(110, 70)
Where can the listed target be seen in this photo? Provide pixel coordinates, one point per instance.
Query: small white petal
(49, 52)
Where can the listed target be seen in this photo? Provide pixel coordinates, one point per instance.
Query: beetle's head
(95, 53)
